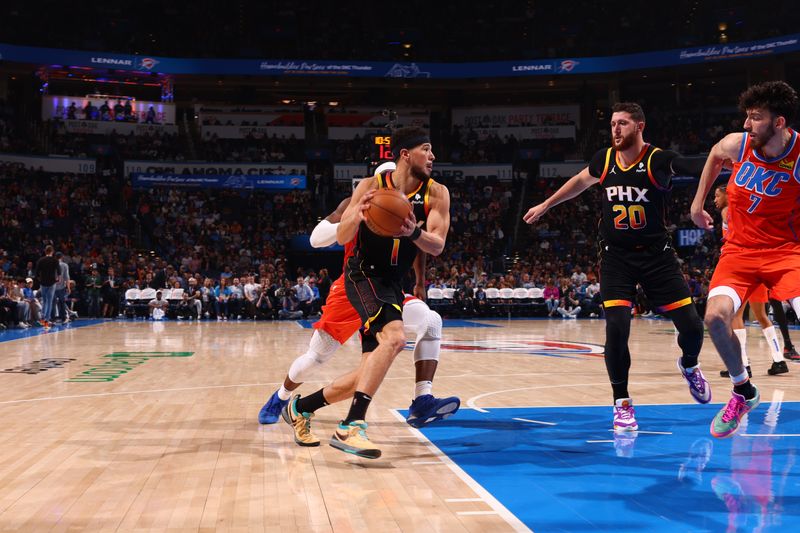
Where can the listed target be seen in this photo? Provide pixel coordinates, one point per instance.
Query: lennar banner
(51, 164)
(215, 169)
(448, 171)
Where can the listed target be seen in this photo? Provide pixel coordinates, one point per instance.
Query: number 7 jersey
(764, 197)
(634, 197)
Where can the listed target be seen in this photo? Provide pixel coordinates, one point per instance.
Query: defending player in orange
(762, 245)
(758, 304)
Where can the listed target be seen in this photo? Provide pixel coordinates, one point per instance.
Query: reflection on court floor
(562, 469)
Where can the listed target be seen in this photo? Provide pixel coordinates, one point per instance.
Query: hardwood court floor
(162, 433)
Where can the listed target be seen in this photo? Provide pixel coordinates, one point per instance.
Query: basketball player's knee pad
(429, 339)
(690, 329)
(426, 326)
(320, 350)
(796, 305)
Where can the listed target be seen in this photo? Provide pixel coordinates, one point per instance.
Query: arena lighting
(333, 104)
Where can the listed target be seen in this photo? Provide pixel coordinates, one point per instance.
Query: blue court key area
(578, 476)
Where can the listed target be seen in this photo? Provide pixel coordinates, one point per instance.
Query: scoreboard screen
(380, 152)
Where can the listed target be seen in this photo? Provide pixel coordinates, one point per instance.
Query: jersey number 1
(395, 251)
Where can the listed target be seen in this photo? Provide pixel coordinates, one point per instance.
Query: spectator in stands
(93, 284)
(119, 111)
(304, 296)
(47, 271)
(71, 111)
(265, 307)
(9, 312)
(323, 285)
(552, 297)
(105, 111)
(569, 306)
(222, 293)
(289, 304)
(158, 306)
(62, 289)
(467, 296)
(35, 305)
(208, 298)
(74, 301)
(150, 118)
(237, 301)
(578, 276)
(109, 292)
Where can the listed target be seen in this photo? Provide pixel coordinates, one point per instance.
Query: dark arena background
(177, 159)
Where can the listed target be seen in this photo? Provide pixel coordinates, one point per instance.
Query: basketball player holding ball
(338, 323)
(374, 272)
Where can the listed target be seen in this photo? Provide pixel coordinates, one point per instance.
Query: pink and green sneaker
(727, 420)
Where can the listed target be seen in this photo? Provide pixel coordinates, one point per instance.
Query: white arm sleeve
(324, 234)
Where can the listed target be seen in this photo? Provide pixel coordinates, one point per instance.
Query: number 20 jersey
(764, 198)
(634, 198)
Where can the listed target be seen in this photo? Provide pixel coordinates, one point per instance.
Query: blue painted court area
(18, 333)
(576, 475)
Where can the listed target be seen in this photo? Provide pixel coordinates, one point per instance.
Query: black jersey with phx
(390, 257)
(634, 198)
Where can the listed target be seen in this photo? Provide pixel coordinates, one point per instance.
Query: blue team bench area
(563, 469)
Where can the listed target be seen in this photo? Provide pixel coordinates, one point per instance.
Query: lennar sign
(113, 61)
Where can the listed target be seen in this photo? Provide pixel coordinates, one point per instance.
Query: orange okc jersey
(339, 318)
(764, 198)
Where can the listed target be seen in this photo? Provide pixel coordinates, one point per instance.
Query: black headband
(410, 143)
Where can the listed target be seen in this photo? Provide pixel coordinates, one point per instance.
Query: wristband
(415, 234)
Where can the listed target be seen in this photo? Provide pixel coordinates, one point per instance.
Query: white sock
(422, 388)
(774, 345)
(740, 379)
(284, 393)
(742, 336)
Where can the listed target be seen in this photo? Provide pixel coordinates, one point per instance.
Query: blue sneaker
(271, 412)
(427, 408)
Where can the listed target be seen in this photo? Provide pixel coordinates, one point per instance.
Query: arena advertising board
(71, 165)
(518, 117)
(404, 70)
(567, 169)
(215, 169)
(96, 127)
(236, 181)
(459, 173)
(256, 132)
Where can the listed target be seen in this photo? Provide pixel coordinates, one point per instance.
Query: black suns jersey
(390, 257)
(634, 198)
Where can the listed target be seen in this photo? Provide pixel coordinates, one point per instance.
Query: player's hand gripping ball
(387, 210)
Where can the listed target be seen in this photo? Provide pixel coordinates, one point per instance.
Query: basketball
(387, 211)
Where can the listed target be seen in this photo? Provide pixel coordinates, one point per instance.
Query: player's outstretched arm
(324, 233)
(354, 214)
(724, 150)
(572, 188)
